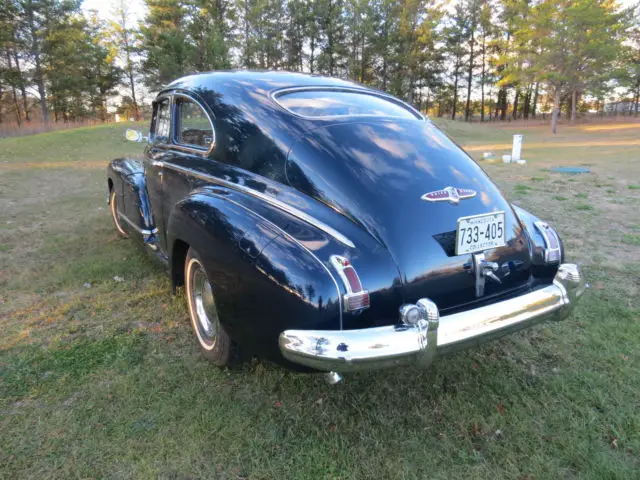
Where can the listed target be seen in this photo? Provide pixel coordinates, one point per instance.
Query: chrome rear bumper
(373, 348)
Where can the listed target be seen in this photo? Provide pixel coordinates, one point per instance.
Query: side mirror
(134, 135)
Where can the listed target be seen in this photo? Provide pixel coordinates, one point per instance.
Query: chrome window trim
(174, 134)
(278, 93)
(272, 201)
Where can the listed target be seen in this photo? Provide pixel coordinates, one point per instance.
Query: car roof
(262, 82)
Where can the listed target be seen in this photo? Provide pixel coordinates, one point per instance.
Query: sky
(137, 8)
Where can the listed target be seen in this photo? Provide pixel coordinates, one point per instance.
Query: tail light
(552, 252)
(356, 298)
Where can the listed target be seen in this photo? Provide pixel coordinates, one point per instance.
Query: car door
(185, 159)
(158, 152)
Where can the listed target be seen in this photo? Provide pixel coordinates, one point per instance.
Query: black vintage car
(330, 227)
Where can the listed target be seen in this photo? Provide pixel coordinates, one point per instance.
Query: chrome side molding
(267, 198)
(141, 231)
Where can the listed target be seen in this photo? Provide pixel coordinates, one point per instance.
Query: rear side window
(193, 127)
(316, 103)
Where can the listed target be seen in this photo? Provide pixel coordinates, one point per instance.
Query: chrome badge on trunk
(449, 194)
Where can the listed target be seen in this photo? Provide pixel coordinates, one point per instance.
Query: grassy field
(100, 376)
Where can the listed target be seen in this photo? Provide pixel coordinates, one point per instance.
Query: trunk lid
(375, 173)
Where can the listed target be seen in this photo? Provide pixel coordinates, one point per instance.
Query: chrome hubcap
(204, 308)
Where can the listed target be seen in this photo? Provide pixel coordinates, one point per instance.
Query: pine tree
(577, 41)
(473, 8)
(126, 41)
(33, 21)
(455, 38)
(627, 72)
(332, 58)
(164, 41)
(486, 28)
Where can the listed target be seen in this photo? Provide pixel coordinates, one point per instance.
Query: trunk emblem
(449, 194)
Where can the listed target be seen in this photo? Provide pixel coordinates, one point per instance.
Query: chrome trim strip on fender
(142, 231)
(273, 201)
(372, 348)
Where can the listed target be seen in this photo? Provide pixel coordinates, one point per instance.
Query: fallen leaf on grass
(614, 442)
(624, 357)
(277, 404)
(500, 408)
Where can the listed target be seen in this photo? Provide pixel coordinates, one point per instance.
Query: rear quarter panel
(264, 280)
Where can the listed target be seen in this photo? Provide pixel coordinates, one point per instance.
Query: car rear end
(467, 267)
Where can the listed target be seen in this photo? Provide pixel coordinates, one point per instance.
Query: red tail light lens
(356, 297)
(352, 278)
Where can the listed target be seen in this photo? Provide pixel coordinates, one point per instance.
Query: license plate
(480, 232)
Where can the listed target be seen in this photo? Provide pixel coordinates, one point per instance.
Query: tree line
(469, 59)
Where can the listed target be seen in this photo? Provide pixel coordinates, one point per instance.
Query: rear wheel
(114, 214)
(214, 341)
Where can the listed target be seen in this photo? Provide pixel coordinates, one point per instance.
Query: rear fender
(126, 177)
(264, 281)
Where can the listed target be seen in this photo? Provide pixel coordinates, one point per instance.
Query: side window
(193, 126)
(162, 122)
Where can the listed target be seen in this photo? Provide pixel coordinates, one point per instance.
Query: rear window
(341, 103)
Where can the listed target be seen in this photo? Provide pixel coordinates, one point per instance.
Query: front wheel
(214, 341)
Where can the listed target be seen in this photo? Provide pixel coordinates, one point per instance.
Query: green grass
(583, 206)
(522, 189)
(107, 381)
(631, 239)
